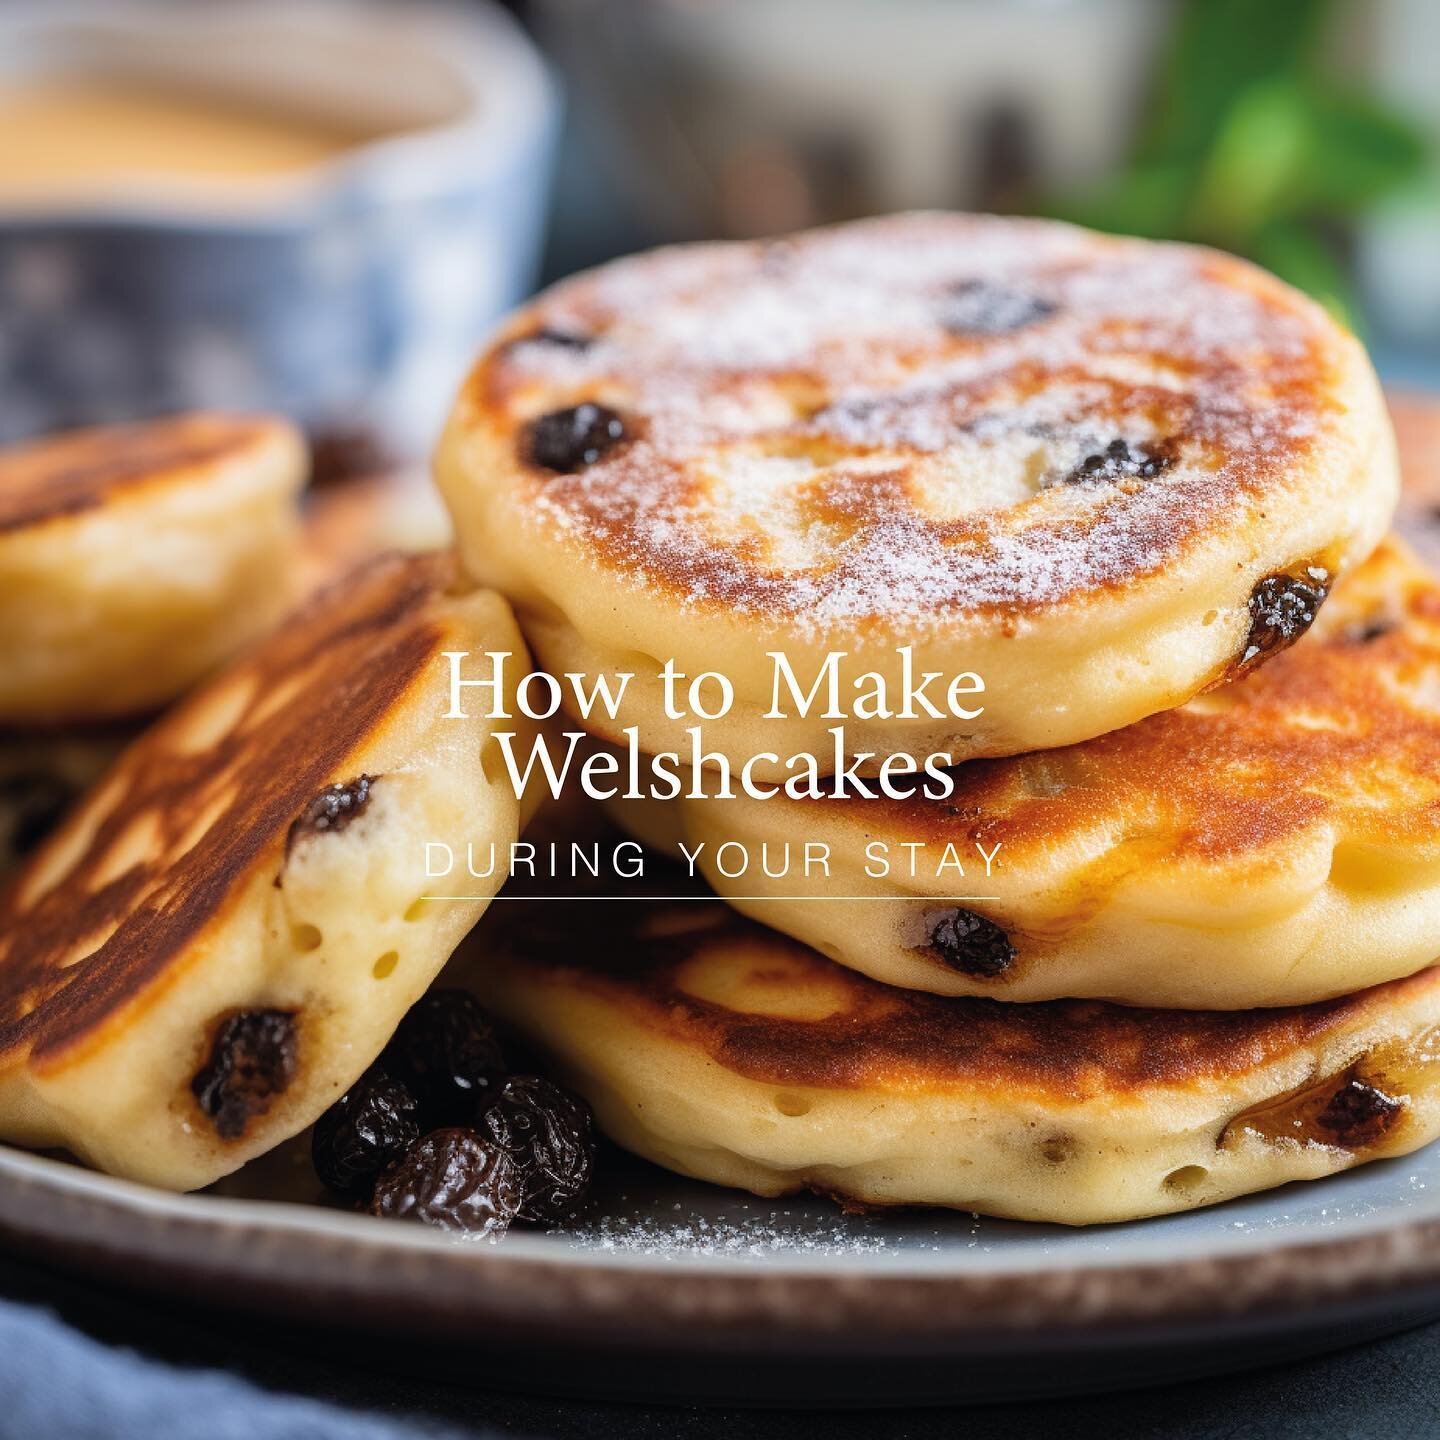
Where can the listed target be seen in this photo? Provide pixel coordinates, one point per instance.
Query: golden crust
(226, 931)
(1073, 465)
(1273, 842)
(1341, 732)
(135, 559)
(204, 800)
(724, 1051)
(815, 425)
(67, 475)
(771, 1010)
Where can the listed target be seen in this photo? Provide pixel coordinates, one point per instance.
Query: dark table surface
(1384, 1390)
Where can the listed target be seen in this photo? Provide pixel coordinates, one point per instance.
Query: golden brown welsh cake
(1102, 474)
(727, 1052)
(228, 929)
(135, 558)
(1274, 842)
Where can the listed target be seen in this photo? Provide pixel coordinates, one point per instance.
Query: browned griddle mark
(71, 474)
(358, 647)
(1334, 734)
(1071, 1048)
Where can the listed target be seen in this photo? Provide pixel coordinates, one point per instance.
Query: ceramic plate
(669, 1289)
(673, 1289)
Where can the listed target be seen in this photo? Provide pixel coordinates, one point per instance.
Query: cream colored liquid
(70, 138)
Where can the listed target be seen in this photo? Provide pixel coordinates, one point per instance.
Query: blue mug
(355, 291)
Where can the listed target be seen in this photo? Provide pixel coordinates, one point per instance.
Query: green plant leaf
(1359, 153)
(1253, 168)
(1218, 50)
(1250, 146)
(1296, 254)
(1148, 200)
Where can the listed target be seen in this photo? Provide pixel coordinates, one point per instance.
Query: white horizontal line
(709, 899)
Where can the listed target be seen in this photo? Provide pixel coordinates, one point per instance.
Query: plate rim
(361, 1272)
(300, 1219)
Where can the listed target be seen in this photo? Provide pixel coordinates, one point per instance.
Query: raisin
(445, 1050)
(552, 338)
(972, 944)
(371, 1125)
(252, 1059)
(569, 440)
(1116, 461)
(975, 307)
(1358, 1114)
(1282, 609)
(550, 1136)
(332, 809)
(31, 806)
(454, 1179)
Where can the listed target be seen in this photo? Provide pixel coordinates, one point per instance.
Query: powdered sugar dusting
(817, 435)
(744, 1233)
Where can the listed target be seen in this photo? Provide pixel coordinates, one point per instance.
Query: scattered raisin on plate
(438, 1130)
(371, 1125)
(447, 1052)
(453, 1179)
(550, 1136)
(572, 439)
(972, 944)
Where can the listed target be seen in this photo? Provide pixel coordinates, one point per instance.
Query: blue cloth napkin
(56, 1384)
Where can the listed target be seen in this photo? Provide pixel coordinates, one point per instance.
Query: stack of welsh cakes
(1154, 928)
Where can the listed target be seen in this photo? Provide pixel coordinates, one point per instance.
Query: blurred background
(322, 206)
